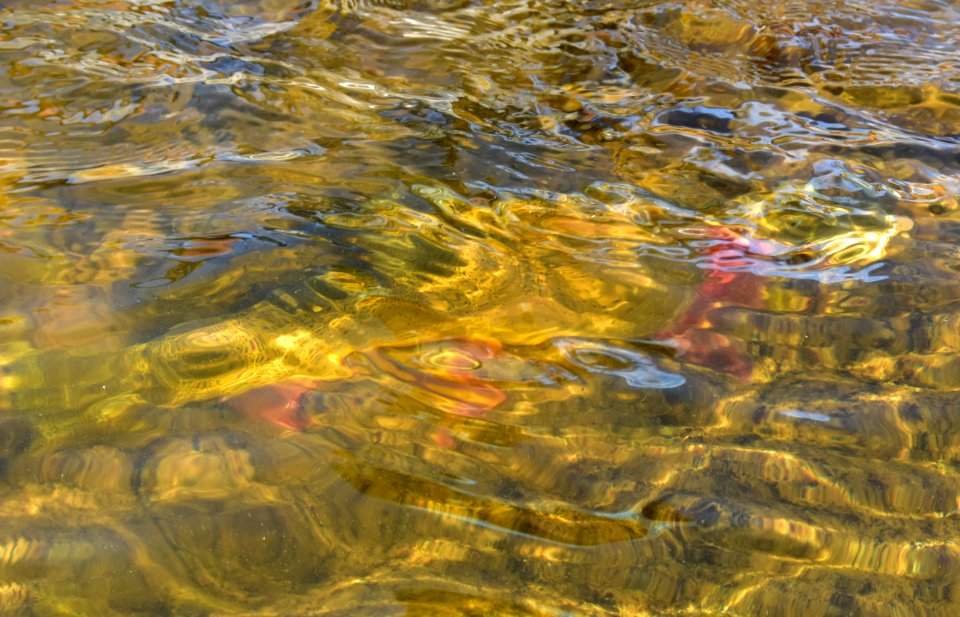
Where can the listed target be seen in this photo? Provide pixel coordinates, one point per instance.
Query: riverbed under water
(489, 307)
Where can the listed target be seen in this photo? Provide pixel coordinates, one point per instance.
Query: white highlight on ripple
(608, 358)
(804, 415)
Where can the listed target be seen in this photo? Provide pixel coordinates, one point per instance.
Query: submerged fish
(448, 373)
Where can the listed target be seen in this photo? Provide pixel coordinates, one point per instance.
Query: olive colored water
(507, 307)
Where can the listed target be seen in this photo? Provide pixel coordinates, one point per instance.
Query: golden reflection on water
(479, 308)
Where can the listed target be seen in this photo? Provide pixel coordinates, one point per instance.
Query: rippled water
(491, 307)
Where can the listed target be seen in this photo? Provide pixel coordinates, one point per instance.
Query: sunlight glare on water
(479, 307)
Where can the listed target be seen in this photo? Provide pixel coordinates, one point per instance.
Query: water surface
(492, 307)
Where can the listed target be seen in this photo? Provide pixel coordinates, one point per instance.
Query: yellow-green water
(506, 307)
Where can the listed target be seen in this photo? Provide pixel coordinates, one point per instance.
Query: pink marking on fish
(280, 404)
(454, 388)
(724, 285)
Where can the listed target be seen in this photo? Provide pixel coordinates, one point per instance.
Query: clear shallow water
(457, 308)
